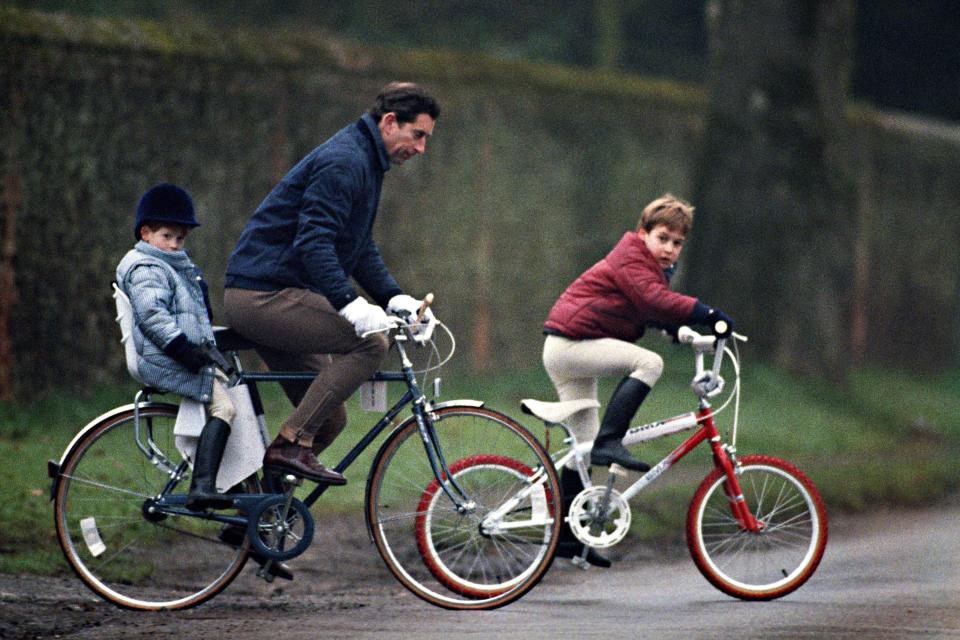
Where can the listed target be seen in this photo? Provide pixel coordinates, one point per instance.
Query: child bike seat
(125, 320)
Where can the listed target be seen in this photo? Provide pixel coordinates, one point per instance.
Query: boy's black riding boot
(608, 448)
(203, 485)
(568, 546)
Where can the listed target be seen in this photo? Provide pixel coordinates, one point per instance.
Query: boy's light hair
(668, 210)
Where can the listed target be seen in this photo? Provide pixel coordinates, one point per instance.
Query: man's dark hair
(405, 99)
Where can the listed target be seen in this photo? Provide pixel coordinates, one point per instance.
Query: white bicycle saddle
(556, 411)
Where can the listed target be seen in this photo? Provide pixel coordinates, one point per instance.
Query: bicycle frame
(723, 458)
(412, 396)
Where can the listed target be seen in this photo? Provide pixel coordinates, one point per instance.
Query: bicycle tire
(130, 557)
(495, 568)
(765, 565)
(430, 536)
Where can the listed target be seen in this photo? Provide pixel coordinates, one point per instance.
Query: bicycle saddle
(556, 411)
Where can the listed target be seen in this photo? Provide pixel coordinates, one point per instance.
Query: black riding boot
(568, 546)
(608, 448)
(203, 484)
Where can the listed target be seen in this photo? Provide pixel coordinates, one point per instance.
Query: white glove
(366, 317)
(408, 307)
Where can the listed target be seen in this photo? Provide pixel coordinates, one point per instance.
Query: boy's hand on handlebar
(720, 323)
(366, 317)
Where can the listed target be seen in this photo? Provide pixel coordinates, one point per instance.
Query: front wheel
(780, 557)
(492, 547)
(121, 544)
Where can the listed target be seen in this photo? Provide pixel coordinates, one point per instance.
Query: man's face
(405, 140)
(664, 243)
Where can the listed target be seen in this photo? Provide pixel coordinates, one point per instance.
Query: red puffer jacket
(618, 296)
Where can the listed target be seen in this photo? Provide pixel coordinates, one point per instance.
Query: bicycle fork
(724, 458)
(438, 462)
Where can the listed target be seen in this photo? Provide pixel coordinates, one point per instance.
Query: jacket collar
(636, 242)
(369, 126)
(176, 259)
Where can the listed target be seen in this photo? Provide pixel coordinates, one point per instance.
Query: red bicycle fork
(738, 505)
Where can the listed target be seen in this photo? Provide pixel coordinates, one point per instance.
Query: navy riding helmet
(165, 203)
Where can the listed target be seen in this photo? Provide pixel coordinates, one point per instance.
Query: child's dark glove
(706, 315)
(190, 355)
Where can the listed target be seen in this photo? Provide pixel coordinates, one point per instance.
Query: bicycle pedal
(617, 470)
(580, 563)
(262, 572)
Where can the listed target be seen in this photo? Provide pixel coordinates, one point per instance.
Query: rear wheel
(783, 555)
(499, 543)
(114, 536)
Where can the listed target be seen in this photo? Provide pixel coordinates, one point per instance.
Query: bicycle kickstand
(290, 482)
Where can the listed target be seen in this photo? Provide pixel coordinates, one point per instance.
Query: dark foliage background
(906, 55)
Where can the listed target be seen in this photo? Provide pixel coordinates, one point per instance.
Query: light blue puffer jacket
(167, 298)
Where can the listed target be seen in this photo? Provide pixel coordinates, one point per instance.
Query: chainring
(587, 525)
(278, 531)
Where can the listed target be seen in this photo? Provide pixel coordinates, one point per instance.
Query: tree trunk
(773, 238)
(608, 36)
(10, 203)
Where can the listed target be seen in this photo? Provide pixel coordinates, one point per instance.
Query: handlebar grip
(721, 328)
(427, 301)
(686, 335)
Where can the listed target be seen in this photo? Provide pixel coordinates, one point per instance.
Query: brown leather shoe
(301, 462)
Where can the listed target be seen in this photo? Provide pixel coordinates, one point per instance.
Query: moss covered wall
(532, 174)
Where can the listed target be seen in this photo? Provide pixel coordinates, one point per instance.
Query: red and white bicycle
(756, 526)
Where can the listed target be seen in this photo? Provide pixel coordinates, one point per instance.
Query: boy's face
(164, 238)
(663, 243)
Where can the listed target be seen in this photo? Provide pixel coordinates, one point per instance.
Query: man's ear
(388, 122)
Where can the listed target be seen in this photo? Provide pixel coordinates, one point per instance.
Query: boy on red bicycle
(592, 328)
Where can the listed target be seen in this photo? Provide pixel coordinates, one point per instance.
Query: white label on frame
(92, 537)
(373, 396)
(538, 503)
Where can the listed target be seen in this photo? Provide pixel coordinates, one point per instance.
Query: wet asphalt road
(891, 575)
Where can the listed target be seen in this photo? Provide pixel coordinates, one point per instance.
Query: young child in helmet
(592, 328)
(172, 320)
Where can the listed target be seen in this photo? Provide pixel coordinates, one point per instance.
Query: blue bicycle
(459, 536)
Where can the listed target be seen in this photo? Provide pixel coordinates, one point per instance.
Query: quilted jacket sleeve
(152, 298)
(641, 280)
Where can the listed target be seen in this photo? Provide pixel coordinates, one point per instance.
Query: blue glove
(720, 323)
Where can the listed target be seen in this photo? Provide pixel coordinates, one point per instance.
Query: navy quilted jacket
(314, 229)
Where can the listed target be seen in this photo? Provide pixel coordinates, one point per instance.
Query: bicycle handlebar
(707, 382)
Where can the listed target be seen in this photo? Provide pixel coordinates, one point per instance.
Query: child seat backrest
(125, 320)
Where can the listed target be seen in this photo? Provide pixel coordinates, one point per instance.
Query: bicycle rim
(765, 565)
(126, 554)
(465, 560)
